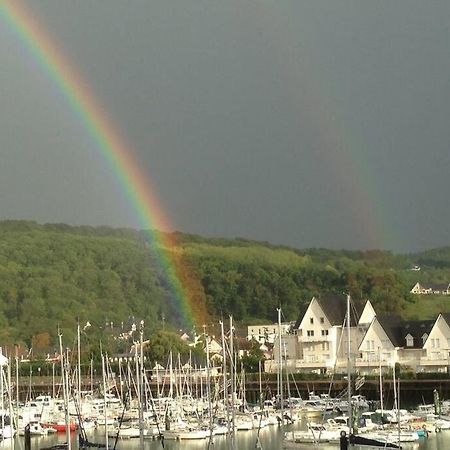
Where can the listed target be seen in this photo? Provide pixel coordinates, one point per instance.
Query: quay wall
(412, 391)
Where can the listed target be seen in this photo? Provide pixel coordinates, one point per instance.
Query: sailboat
(7, 430)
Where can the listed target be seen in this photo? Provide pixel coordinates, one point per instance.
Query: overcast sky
(306, 123)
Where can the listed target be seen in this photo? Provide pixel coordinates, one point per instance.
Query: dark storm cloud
(238, 112)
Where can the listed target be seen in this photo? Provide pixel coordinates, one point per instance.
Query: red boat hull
(60, 428)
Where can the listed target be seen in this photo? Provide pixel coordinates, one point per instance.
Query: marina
(269, 438)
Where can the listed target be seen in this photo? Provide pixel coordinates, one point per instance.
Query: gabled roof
(335, 308)
(416, 328)
(397, 330)
(446, 317)
(435, 287)
(301, 314)
(391, 325)
(368, 311)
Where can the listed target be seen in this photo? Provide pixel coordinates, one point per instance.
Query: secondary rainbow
(110, 143)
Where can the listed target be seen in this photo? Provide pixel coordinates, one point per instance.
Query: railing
(429, 361)
(315, 339)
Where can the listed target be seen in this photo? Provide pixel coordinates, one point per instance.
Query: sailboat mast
(64, 376)
(17, 387)
(224, 376)
(140, 374)
(78, 366)
(381, 381)
(280, 367)
(208, 387)
(233, 384)
(10, 403)
(105, 405)
(2, 405)
(396, 402)
(349, 380)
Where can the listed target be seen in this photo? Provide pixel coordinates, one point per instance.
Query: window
(424, 337)
(310, 333)
(325, 346)
(311, 320)
(324, 332)
(322, 320)
(435, 343)
(409, 340)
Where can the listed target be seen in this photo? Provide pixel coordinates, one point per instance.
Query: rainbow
(340, 145)
(113, 148)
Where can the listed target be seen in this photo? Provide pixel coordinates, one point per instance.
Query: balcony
(306, 339)
(434, 361)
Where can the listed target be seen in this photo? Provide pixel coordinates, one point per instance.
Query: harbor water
(268, 438)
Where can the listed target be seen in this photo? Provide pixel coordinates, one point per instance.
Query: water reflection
(270, 438)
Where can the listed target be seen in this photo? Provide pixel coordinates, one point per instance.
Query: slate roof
(397, 330)
(435, 287)
(417, 328)
(446, 317)
(335, 308)
(301, 314)
(391, 324)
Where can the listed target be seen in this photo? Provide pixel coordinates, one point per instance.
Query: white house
(267, 334)
(437, 346)
(390, 340)
(377, 343)
(429, 289)
(321, 341)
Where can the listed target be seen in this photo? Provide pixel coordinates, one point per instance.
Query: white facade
(376, 346)
(437, 346)
(368, 314)
(430, 352)
(266, 333)
(318, 337)
(320, 346)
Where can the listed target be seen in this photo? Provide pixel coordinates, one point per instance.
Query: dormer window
(409, 340)
(424, 338)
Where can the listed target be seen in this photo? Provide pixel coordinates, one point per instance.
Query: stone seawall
(412, 392)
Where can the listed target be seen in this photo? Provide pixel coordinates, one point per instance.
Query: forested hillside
(52, 276)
